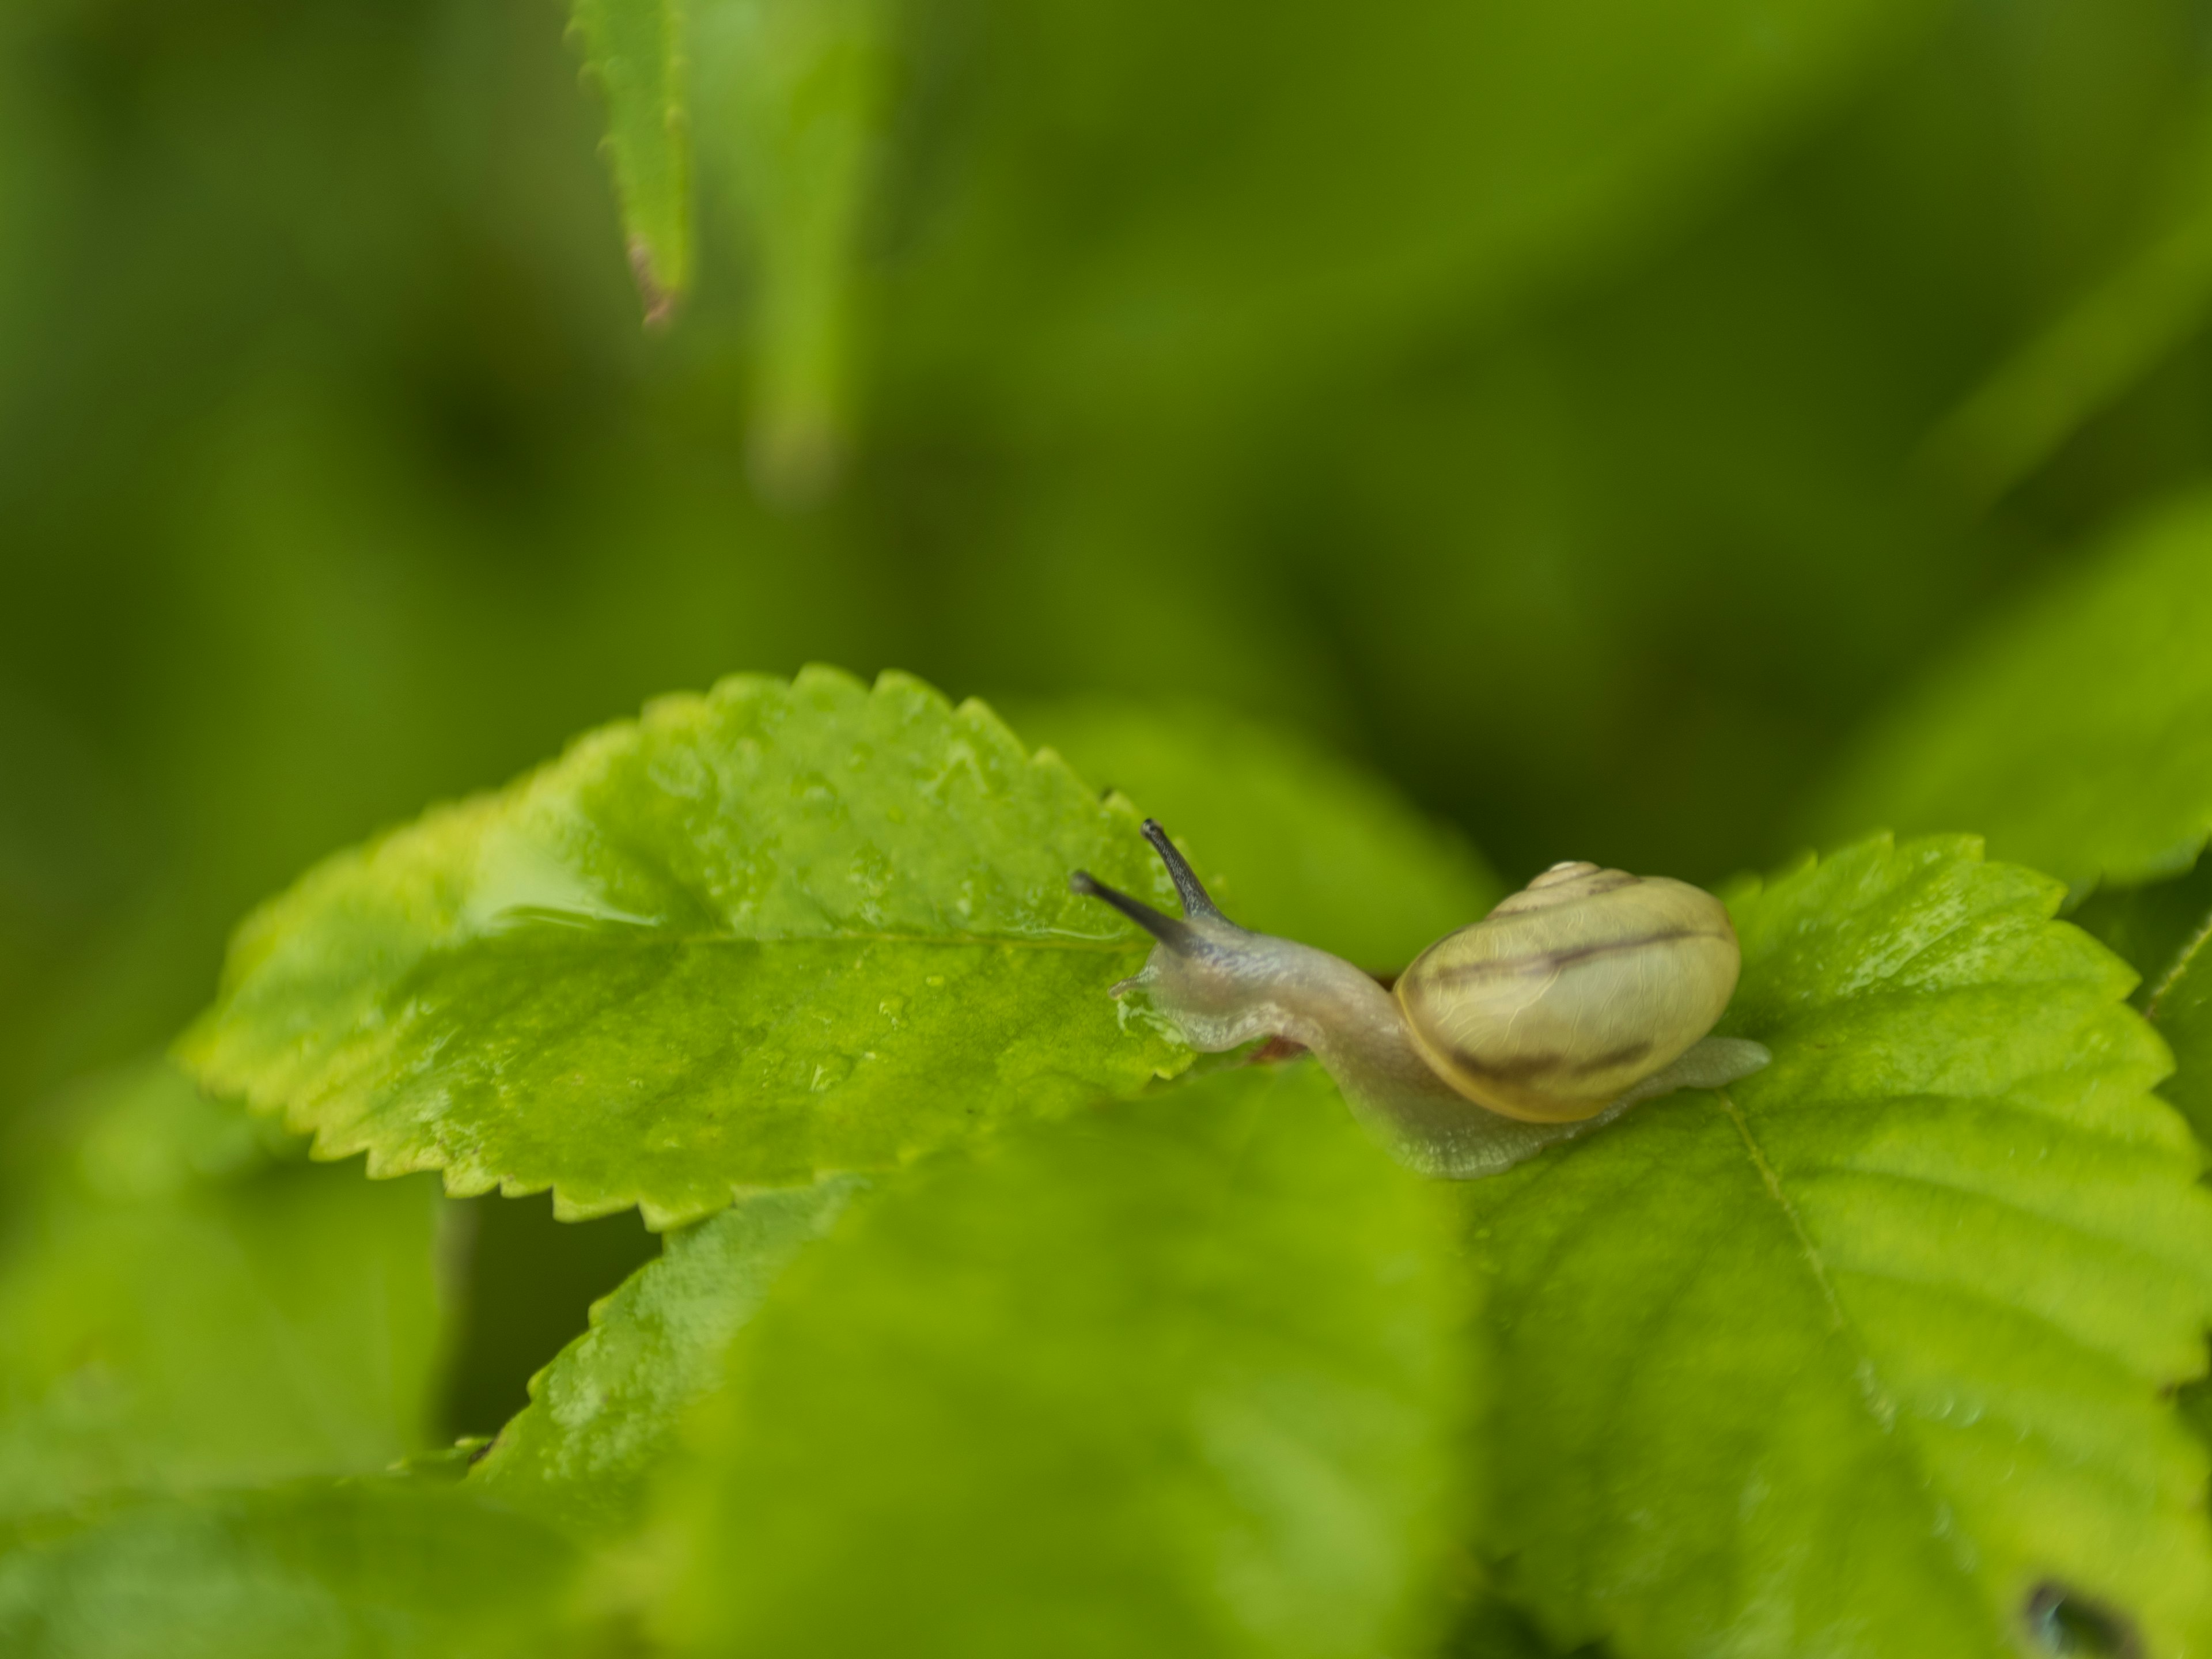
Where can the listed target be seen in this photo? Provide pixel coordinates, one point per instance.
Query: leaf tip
(659, 296)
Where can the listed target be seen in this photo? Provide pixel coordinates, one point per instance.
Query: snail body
(1586, 992)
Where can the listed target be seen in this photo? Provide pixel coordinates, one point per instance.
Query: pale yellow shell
(1571, 990)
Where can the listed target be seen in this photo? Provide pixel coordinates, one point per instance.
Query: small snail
(1585, 992)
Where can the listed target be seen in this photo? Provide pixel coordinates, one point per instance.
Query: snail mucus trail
(1586, 992)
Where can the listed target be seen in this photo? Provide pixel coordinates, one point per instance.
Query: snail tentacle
(1196, 901)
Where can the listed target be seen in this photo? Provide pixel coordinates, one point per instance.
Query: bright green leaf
(1184, 1377)
(774, 931)
(604, 1414)
(1362, 874)
(1861, 1355)
(634, 49)
(2077, 733)
(187, 1303)
(371, 1570)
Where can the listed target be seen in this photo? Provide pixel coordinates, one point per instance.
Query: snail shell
(1571, 990)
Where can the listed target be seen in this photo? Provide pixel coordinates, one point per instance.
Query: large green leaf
(772, 931)
(1869, 1354)
(1295, 840)
(634, 49)
(2076, 734)
(397, 1569)
(604, 1414)
(187, 1303)
(1183, 1376)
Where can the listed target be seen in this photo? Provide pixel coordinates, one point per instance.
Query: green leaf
(1869, 1354)
(186, 1304)
(1183, 1376)
(2164, 930)
(2150, 925)
(634, 49)
(2143, 311)
(2180, 1005)
(370, 1569)
(2076, 734)
(1362, 874)
(794, 98)
(604, 1414)
(775, 932)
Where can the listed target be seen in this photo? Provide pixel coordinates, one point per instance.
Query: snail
(1586, 992)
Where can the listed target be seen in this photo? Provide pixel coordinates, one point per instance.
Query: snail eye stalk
(1196, 900)
(1174, 934)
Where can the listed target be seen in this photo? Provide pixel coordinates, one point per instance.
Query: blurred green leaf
(532, 1280)
(2162, 929)
(2094, 350)
(604, 1415)
(2180, 1005)
(2076, 731)
(2150, 925)
(1162, 216)
(633, 50)
(366, 1569)
(759, 935)
(1294, 840)
(1185, 1376)
(187, 1305)
(794, 98)
(1869, 1354)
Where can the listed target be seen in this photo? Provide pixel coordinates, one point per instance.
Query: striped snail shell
(1572, 990)
(1585, 992)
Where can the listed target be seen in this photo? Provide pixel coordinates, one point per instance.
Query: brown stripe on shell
(1609, 881)
(1521, 1069)
(1525, 1067)
(1627, 1054)
(1552, 961)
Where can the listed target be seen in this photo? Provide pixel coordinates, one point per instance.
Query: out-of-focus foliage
(188, 1305)
(2180, 1005)
(396, 1568)
(2077, 736)
(2164, 929)
(634, 52)
(1104, 1391)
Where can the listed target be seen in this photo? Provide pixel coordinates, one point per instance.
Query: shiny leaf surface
(605, 1414)
(1871, 1353)
(773, 932)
